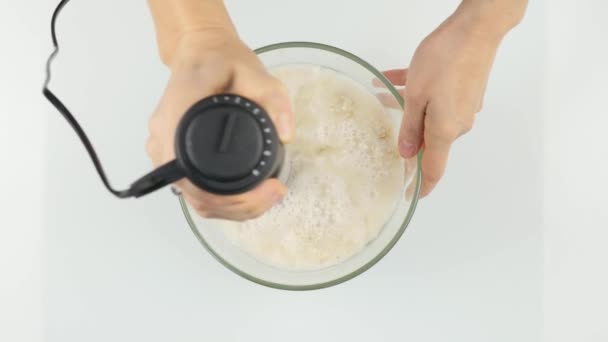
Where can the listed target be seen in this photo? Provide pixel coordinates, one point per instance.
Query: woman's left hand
(444, 89)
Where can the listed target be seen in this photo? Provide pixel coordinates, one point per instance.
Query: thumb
(278, 105)
(412, 127)
(272, 95)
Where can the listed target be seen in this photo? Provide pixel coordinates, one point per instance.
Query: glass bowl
(209, 232)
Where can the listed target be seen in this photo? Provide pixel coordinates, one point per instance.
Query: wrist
(193, 46)
(182, 22)
(493, 18)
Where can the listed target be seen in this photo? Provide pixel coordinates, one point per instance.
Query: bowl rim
(395, 238)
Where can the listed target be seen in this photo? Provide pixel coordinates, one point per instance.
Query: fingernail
(407, 149)
(277, 198)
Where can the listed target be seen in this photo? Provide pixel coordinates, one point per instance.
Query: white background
(509, 247)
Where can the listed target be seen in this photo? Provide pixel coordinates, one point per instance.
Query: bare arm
(502, 15)
(199, 44)
(446, 80)
(175, 19)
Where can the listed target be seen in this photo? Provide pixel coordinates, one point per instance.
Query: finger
(396, 76)
(439, 134)
(434, 161)
(268, 193)
(272, 95)
(201, 208)
(412, 126)
(259, 201)
(237, 207)
(209, 199)
(388, 100)
(278, 105)
(376, 82)
(379, 84)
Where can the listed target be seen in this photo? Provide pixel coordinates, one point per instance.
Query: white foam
(346, 175)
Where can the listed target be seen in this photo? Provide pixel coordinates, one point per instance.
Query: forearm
(494, 16)
(174, 19)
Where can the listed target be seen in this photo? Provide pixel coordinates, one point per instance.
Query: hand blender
(225, 144)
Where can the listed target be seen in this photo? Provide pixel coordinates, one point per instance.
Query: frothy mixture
(346, 175)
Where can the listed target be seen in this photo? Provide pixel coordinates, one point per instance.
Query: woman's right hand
(207, 63)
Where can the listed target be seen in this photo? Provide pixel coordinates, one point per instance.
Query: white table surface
(511, 239)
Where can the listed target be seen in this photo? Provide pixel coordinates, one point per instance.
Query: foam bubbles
(346, 175)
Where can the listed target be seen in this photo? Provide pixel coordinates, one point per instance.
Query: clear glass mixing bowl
(210, 234)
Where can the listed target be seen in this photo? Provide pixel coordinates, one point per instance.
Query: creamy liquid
(345, 180)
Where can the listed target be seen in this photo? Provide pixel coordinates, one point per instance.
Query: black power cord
(65, 112)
